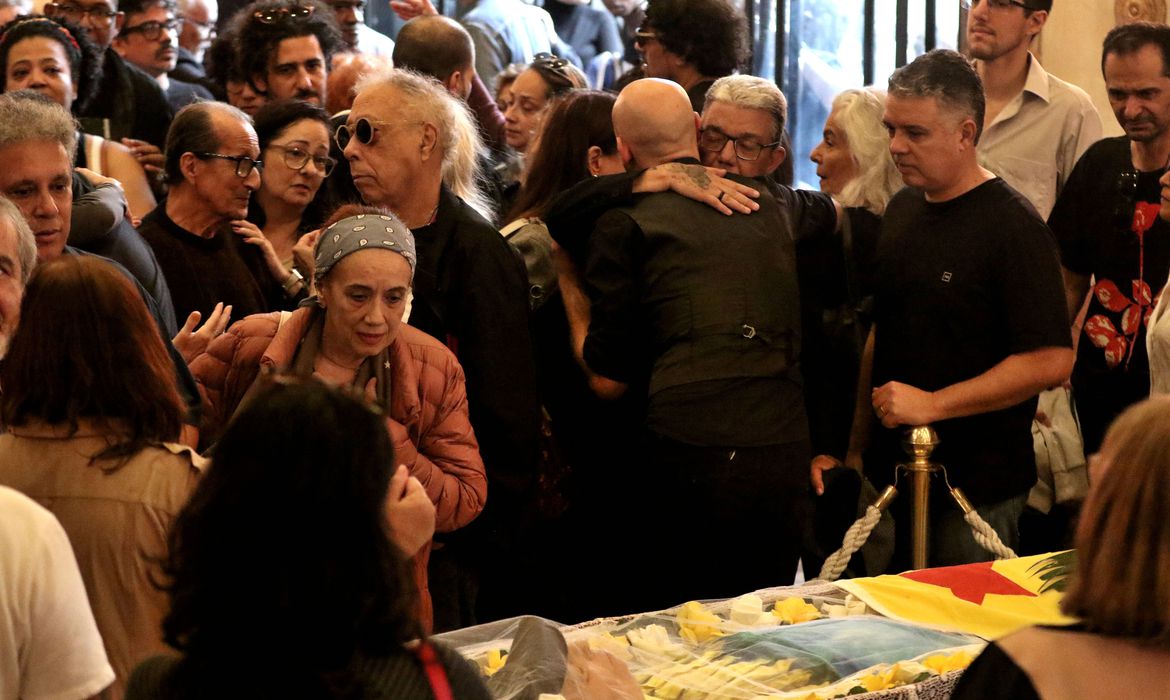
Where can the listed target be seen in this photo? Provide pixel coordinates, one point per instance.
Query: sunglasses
(364, 130)
(283, 14)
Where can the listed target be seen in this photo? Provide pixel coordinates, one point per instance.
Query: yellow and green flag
(989, 599)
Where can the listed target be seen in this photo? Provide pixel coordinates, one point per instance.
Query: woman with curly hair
(286, 573)
(58, 59)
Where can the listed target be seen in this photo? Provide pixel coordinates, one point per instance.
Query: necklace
(434, 213)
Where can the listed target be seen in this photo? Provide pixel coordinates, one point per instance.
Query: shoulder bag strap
(434, 671)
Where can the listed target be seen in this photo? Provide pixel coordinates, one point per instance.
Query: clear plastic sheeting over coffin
(811, 642)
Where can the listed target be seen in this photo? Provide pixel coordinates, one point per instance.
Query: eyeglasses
(998, 4)
(244, 164)
(297, 158)
(283, 14)
(98, 14)
(151, 31)
(746, 148)
(363, 130)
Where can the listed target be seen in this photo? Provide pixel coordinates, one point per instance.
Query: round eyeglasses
(297, 158)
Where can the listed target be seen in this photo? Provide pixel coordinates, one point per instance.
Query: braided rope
(855, 537)
(987, 537)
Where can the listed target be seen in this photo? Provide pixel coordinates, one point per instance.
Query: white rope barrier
(987, 537)
(855, 538)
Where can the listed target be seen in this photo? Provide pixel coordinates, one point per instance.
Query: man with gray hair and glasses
(969, 322)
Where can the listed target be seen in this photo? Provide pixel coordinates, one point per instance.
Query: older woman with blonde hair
(1119, 589)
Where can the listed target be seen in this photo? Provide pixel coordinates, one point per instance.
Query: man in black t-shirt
(1106, 220)
(968, 320)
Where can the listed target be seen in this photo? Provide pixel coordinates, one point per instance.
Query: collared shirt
(371, 42)
(1037, 138)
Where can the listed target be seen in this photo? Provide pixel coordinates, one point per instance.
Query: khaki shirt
(116, 519)
(1037, 138)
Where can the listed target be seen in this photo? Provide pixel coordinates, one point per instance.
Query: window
(825, 46)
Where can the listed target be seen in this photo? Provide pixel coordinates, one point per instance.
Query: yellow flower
(794, 610)
(697, 624)
(495, 661)
(878, 681)
(941, 663)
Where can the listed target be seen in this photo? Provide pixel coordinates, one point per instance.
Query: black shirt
(128, 103)
(630, 280)
(1094, 221)
(961, 285)
(471, 292)
(204, 271)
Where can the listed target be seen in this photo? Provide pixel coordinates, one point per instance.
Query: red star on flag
(969, 582)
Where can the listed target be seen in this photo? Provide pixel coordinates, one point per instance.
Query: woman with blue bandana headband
(351, 334)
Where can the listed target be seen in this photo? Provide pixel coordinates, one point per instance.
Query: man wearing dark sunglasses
(286, 46)
(212, 168)
(471, 292)
(148, 40)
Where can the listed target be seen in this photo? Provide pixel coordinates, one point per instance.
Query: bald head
(654, 123)
(437, 46)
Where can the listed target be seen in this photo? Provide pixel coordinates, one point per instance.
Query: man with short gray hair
(743, 125)
(212, 165)
(969, 321)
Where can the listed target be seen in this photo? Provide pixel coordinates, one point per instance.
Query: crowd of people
(316, 342)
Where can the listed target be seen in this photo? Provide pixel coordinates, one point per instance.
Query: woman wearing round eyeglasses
(294, 145)
(58, 60)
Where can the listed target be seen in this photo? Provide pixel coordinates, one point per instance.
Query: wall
(1070, 48)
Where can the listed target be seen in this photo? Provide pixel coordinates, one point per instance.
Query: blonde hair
(859, 114)
(1121, 585)
(458, 134)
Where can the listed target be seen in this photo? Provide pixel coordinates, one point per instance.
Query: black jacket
(471, 292)
(128, 103)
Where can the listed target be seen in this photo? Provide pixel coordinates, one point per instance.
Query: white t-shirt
(49, 643)
(1158, 344)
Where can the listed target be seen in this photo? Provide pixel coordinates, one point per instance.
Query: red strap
(436, 674)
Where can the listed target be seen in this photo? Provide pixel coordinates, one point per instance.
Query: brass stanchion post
(919, 444)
